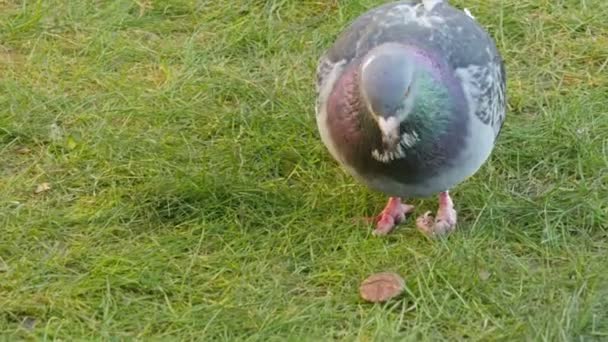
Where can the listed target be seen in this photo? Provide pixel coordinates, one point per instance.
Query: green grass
(191, 197)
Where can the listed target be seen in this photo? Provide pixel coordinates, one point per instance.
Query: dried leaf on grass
(381, 287)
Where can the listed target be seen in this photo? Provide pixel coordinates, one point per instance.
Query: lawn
(162, 178)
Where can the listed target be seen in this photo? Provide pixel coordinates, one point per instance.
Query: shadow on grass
(224, 201)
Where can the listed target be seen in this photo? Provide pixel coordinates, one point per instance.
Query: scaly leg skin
(444, 223)
(392, 215)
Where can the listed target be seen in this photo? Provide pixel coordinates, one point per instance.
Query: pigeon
(410, 101)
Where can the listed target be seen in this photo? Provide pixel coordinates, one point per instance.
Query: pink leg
(445, 221)
(393, 214)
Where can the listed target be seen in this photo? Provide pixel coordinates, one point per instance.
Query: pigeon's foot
(444, 223)
(393, 214)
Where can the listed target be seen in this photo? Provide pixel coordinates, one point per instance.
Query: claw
(444, 223)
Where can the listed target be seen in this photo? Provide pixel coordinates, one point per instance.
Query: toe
(431, 227)
(442, 227)
(407, 208)
(425, 222)
(384, 226)
(400, 217)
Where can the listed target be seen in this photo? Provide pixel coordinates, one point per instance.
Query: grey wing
(476, 61)
(498, 119)
(484, 87)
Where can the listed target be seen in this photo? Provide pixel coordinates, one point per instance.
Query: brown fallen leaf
(381, 287)
(42, 187)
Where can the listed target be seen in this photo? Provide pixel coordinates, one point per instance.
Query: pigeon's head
(386, 83)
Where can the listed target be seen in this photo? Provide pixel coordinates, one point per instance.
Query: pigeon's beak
(390, 132)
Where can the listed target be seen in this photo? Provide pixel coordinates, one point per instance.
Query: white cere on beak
(390, 131)
(388, 126)
(394, 143)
